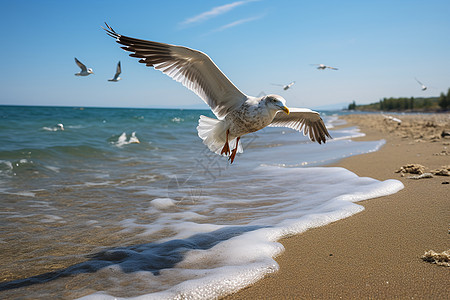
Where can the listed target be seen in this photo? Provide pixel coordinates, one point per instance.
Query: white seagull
(323, 67)
(84, 71)
(424, 87)
(116, 76)
(285, 86)
(237, 113)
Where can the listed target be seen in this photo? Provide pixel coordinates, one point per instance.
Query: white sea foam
(177, 120)
(162, 203)
(7, 164)
(52, 219)
(18, 193)
(57, 127)
(54, 169)
(287, 201)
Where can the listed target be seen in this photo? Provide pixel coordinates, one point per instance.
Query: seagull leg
(233, 153)
(226, 147)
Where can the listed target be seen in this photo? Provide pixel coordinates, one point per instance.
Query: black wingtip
(110, 31)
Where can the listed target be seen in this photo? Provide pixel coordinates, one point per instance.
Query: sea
(121, 203)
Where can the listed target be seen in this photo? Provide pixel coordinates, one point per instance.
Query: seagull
(285, 87)
(323, 67)
(424, 87)
(237, 113)
(122, 140)
(84, 71)
(118, 71)
(133, 138)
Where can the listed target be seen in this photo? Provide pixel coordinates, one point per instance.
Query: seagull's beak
(285, 109)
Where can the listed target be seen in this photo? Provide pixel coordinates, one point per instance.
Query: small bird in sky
(323, 67)
(116, 76)
(237, 113)
(84, 71)
(285, 86)
(424, 87)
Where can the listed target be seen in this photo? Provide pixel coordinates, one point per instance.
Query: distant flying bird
(285, 87)
(84, 71)
(424, 87)
(323, 67)
(237, 114)
(118, 71)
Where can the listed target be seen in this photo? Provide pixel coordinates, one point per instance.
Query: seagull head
(90, 71)
(275, 102)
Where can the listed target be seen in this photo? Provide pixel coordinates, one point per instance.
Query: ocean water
(87, 212)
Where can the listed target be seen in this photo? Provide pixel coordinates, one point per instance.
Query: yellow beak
(285, 109)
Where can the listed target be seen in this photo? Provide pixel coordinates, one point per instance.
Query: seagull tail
(213, 134)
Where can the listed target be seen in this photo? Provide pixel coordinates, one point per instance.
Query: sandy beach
(377, 253)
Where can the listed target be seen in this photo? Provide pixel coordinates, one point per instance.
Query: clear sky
(378, 46)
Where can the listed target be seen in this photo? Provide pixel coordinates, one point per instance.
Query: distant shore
(377, 253)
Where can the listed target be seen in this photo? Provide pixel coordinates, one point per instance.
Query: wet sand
(377, 253)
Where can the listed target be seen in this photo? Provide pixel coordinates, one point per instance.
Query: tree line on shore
(430, 104)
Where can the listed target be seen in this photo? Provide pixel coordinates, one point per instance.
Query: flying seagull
(285, 86)
(237, 113)
(84, 71)
(424, 87)
(323, 67)
(118, 71)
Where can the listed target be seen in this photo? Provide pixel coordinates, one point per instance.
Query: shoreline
(376, 253)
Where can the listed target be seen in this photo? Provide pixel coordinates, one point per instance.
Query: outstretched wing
(303, 119)
(118, 70)
(194, 69)
(418, 81)
(81, 65)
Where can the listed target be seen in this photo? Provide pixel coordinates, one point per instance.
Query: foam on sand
(211, 260)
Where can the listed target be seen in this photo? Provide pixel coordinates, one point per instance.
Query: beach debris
(442, 153)
(421, 176)
(393, 119)
(443, 171)
(412, 169)
(445, 182)
(430, 124)
(434, 138)
(445, 133)
(440, 259)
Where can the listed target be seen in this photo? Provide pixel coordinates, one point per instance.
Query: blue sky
(378, 46)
